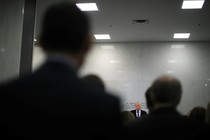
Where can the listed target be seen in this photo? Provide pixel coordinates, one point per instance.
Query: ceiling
(115, 17)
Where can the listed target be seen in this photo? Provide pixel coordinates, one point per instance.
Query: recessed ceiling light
(87, 6)
(35, 40)
(192, 4)
(102, 36)
(181, 35)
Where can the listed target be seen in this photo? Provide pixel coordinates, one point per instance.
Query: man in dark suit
(164, 122)
(138, 112)
(53, 103)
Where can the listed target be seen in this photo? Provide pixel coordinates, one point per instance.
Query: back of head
(198, 113)
(127, 117)
(95, 80)
(148, 96)
(65, 28)
(208, 114)
(167, 91)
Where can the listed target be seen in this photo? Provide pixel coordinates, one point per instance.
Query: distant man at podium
(138, 112)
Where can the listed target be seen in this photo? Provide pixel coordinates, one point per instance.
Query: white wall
(38, 58)
(128, 69)
(11, 21)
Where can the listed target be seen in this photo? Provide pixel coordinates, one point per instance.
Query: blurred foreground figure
(149, 101)
(127, 117)
(95, 80)
(53, 103)
(198, 113)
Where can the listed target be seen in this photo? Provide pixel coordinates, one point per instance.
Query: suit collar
(56, 68)
(59, 58)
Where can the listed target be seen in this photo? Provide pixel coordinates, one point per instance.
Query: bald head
(167, 90)
(138, 105)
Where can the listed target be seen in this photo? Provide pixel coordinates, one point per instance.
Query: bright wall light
(107, 47)
(115, 61)
(170, 71)
(172, 61)
(102, 36)
(181, 35)
(177, 46)
(192, 4)
(87, 6)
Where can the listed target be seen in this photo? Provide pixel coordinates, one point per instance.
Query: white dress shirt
(138, 113)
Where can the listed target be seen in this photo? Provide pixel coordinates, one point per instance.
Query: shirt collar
(59, 58)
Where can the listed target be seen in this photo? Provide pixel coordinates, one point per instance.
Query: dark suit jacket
(167, 124)
(53, 104)
(142, 113)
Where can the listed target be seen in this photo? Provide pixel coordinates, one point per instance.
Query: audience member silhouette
(165, 122)
(207, 120)
(148, 96)
(138, 112)
(198, 113)
(95, 80)
(53, 103)
(127, 117)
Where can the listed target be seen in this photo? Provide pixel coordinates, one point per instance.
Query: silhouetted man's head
(167, 91)
(148, 95)
(95, 79)
(65, 28)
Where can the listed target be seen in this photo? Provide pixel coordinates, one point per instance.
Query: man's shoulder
(144, 111)
(102, 96)
(133, 111)
(10, 85)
